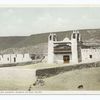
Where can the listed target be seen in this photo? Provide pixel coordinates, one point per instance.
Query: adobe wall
(48, 72)
(9, 58)
(93, 52)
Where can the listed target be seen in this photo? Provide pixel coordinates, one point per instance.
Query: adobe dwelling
(14, 58)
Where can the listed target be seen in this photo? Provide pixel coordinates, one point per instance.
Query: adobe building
(14, 58)
(71, 50)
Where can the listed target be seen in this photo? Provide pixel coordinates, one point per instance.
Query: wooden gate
(66, 59)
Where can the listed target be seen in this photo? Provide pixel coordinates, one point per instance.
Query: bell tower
(75, 47)
(51, 38)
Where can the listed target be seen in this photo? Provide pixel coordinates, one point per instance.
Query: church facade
(71, 50)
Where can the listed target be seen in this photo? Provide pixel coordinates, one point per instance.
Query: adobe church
(71, 50)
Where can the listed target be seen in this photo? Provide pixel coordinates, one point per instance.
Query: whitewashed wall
(19, 58)
(26, 58)
(58, 58)
(4, 58)
(9, 58)
(87, 52)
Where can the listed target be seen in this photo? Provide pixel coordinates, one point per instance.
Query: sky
(24, 21)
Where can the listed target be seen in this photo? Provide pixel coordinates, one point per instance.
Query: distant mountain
(11, 41)
(38, 42)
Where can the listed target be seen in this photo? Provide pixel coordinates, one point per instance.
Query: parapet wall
(48, 72)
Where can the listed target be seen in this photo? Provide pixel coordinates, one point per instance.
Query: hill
(87, 35)
(37, 41)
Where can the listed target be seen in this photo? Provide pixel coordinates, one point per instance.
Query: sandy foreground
(20, 78)
(13, 78)
(89, 78)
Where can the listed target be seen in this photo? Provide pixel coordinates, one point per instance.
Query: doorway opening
(66, 58)
(14, 59)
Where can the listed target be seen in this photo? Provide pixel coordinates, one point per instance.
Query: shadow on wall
(49, 72)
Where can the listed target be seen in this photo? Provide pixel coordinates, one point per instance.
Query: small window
(74, 36)
(90, 56)
(14, 59)
(54, 38)
(8, 59)
(77, 36)
(50, 37)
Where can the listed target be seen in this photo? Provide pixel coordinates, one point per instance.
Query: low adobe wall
(20, 63)
(48, 72)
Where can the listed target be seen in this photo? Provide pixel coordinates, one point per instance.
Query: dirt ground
(21, 78)
(13, 78)
(84, 79)
(18, 77)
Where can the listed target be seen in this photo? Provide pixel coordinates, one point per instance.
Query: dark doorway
(14, 59)
(66, 59)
